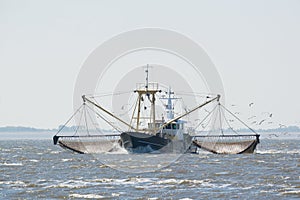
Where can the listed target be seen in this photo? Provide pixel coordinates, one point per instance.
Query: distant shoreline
(15, 129)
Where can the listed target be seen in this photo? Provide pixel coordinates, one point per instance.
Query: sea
(31, 167)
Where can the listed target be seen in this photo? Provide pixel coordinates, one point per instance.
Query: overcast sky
(254, 45)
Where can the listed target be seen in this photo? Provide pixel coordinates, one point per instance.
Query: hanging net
(218, 136)
(86, 137)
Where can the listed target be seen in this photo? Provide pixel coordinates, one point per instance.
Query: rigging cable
(239, 120)
(97, 129)
(107, 94)
(105, 120)
(69, 119)
(229, 124)
(133, 113)
(87, 129)
(206, 118)
(77, 127)
(221, 125)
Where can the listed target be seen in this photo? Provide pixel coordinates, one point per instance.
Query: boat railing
(150, 86)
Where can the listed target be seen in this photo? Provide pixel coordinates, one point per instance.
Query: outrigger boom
(159, 128)
(106, 111)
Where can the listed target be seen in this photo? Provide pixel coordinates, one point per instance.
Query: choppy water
(35, 169)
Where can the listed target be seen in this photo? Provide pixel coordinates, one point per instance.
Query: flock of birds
(258, 121)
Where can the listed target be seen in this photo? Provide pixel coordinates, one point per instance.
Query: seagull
(261, 122)
(251, 104)
(274, 135)
(281, 125)
(252, 117)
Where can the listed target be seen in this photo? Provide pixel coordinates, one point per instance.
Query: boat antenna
(147, 76)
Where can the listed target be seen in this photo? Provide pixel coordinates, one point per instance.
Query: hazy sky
(254, 45)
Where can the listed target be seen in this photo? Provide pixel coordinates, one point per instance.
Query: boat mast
(149, 93)
(169, 106)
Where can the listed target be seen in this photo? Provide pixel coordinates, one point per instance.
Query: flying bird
(252, 117)
(282, 125)
(261, 122)
(274, 135)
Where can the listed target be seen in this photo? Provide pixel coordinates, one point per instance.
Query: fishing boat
(148, 133)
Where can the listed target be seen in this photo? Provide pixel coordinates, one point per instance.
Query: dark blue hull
(138, 142)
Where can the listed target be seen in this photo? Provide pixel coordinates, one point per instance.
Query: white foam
(74, 184)
(115, 194)
(54, 152)
(166, 170)
(19, 183)
(291, 192)
(66, 160)
(87, 196)
(11, 164)
(179, 181)
(273, 151)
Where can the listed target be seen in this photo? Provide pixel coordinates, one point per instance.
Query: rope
(69, 120)
(206, 118)
(77, 128)
(108, 94)
(239, 120)
(93, 121)
(133, 114)
(221, 125)
(87, 129)
(229, 124)
(117, 129)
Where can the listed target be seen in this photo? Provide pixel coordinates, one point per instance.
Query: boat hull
(138, 142)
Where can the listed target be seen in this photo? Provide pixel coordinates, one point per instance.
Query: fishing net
(218, 136)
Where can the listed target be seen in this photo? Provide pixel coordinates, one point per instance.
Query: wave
(276, 151)
(11, 164)
(87, 196)
(291, 192)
